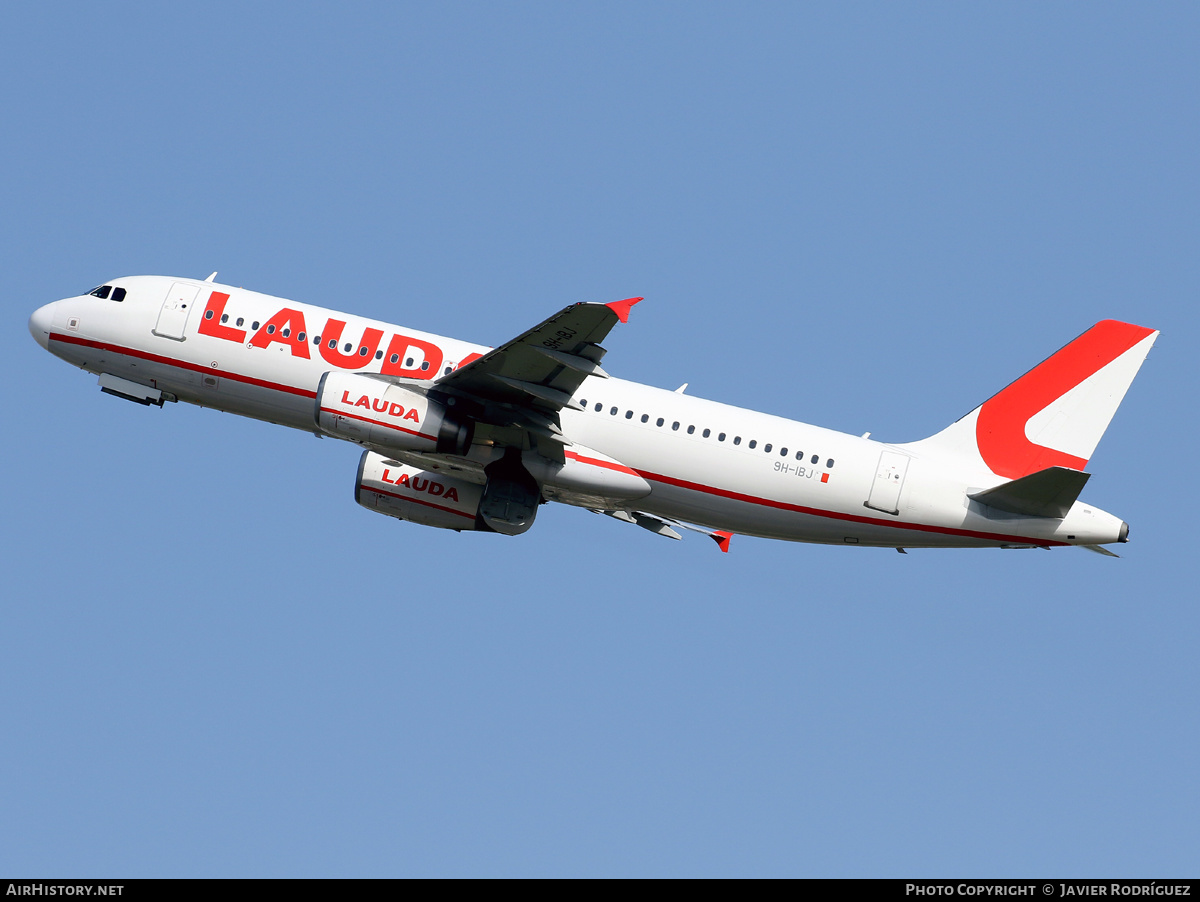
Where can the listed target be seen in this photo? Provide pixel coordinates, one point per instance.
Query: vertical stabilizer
(1054, 415)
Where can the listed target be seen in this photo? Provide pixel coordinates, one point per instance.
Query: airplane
(465, 437)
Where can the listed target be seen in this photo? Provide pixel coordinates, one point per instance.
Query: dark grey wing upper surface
(544, 366)
(524, 383)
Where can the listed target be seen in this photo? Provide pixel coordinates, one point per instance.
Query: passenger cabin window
(767, 448)
(706, 433)
(721, 437)
(612, 412)
(645, 418)
(737, 439)
(379, 355)
(816, 458)
(599, 407)
(241, 320)
(691, 430)
(753, 443)
(675, 426)
(829, 463)
(629, 414)
(659, 421)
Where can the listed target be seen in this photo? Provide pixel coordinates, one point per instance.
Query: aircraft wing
(524, 383)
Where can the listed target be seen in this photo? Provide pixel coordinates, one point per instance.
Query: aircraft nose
(39, 325)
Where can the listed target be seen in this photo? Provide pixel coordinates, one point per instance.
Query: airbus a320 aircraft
(465, 437)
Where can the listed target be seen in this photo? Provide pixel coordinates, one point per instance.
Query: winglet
(622, 308)
(721, 537)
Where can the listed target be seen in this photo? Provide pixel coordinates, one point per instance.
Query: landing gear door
(175, 309)
(889, 480)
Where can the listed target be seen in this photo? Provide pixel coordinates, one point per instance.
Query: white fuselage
(720, 466)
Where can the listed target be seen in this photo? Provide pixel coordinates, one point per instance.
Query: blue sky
(866, 216)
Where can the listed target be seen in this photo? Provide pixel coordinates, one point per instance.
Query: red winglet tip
(721, 537)
(622, 308)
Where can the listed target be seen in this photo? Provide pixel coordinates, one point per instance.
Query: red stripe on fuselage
(657, 477)
(180, 364)
(835, 515)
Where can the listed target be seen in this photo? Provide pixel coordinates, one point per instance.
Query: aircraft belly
(191, 383)
(764, 521)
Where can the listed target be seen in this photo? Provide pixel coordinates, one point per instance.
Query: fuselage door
(175, 309)
(889, 480)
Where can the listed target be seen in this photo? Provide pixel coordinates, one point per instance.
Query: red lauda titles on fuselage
(421, 484)
(287, 325)
(382, 405)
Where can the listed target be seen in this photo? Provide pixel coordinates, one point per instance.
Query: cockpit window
(118, 294)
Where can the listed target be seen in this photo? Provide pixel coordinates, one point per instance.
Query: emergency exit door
(889, 480)
(173, 316)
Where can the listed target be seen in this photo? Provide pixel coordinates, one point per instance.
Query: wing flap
(573, 361)
(553, 396)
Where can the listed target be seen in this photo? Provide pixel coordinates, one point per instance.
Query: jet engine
(422, 496)
(506, 504)
(386, 416)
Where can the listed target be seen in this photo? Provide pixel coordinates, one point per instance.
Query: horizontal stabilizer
(1046, 493)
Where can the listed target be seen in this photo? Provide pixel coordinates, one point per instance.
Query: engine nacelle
(422, 496)
(386, 416)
